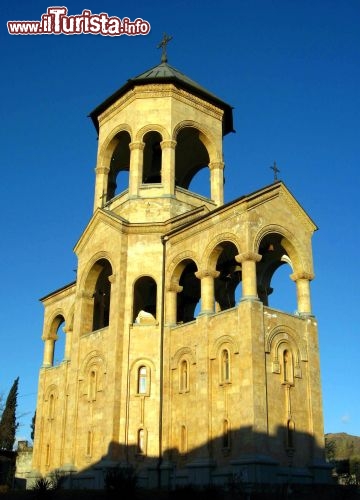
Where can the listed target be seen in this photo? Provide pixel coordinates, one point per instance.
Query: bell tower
(156, 133)
(176, 363)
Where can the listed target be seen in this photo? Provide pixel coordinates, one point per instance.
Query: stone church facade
(174, 360)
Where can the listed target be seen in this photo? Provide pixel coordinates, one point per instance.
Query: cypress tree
(8, 424)
(33, 423)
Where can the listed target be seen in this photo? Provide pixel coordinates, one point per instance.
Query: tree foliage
(8, 424)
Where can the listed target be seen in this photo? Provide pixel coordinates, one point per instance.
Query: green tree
(8, 424)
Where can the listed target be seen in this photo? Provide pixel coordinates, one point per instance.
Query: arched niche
(191, 156)
(118, 179)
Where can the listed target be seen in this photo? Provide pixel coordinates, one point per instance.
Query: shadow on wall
(240, 457)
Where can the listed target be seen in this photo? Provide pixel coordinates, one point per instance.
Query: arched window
(142, 383)
(92, 385)
(51, 407)
(47, 456)
(225, 366)
(288, 369)
(141, 441)
(184, 376)
(89, 442)
(183, 440)
(226, 435)
(290, 438)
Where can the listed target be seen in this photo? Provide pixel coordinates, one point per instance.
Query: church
(175, 363)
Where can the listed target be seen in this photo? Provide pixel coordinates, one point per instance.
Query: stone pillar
(168, 167)
(302, 281)
(207, 290)
(171, 303)
(68, 338)
(49, 346)
(248, 262)
(136, 167)
(101, 186)
(217, 181)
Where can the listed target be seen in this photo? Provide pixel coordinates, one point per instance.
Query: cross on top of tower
(276, 171)
(166, 39)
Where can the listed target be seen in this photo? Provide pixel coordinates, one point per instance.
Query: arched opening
(118, 179)
(190, 295)
(57, 332)
(102, 295)
(191, 156)
(152, 158)
(274, 286)
(145, 294)
(229, 279)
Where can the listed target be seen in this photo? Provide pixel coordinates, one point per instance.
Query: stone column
(136, 167)
(217, 181)
(207, 290)
(49, 346)
(101, 186)
(302, 280)
(168, 166)
(68, 338)
(171, 302)
(248, 262)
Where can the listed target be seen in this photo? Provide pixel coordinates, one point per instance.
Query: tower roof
(164, 73)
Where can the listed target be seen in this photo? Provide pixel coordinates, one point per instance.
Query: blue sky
(291, 71)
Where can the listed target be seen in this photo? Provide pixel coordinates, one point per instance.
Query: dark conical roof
(164, 73)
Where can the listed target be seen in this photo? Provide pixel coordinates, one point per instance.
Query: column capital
(302, 275)
(216, 164)
(112, 278)
(168, 144)
(136, 145)
(203, 273)
(102, 170)
(174, 287)
(246, 256)
(84, 294)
